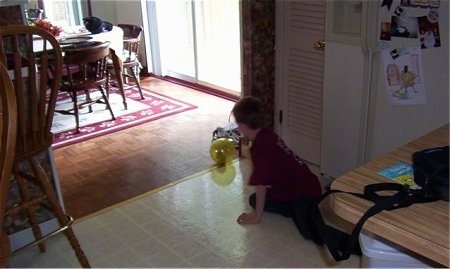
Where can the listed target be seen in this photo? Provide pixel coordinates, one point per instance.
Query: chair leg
(61, 216)
(75, 112)
(108, 76)
(120, 83)
(118, 71)
(122, 90)
(29, 203)
(137, 80)
(88, 99)
(5, 250)
(100, 88)
(30, 212)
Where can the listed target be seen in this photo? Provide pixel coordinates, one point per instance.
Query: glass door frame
(155, 61)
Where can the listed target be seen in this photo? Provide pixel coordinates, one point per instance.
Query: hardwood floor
(104, 171)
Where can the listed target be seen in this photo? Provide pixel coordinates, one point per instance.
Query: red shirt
(280, 169)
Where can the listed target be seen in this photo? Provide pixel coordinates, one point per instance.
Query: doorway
(299, 81)
(198, 41)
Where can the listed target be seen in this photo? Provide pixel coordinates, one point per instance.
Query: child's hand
(248, 218)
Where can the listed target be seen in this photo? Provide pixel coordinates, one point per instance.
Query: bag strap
(403, 197)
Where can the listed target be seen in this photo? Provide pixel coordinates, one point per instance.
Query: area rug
(99, 122)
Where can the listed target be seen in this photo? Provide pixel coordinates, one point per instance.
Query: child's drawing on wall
(408, 80)
(403, 76)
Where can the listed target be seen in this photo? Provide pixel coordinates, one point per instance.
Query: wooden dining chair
(85, 71)
(34, 59)
(128, 58)
(8, 131)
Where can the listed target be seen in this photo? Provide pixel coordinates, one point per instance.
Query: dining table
(421, 228)
(79, 36)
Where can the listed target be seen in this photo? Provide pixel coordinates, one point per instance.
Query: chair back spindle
(29, 64)
(85, 68)
(33, 59)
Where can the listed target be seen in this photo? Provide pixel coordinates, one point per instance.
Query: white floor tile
(190, 224)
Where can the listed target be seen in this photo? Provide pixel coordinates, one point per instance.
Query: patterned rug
(98, 122)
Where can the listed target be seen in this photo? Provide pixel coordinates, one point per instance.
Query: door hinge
(280, 116)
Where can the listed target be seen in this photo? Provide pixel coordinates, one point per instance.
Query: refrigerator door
(345, 87)
(392, 125)
(360, 122)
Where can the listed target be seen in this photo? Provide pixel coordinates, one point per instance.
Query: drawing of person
(407, 78)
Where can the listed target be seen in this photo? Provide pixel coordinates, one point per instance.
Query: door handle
(319, 45)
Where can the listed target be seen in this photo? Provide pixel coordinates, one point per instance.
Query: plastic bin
(378, 252)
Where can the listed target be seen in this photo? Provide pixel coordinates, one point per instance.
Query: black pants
(271, 206)
(304, 211)
(298, 210)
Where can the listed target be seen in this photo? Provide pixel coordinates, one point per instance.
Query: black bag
(431, 171)
(96, 25)
(342, 245)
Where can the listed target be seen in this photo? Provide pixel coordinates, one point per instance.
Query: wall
(105, 10)
(120, 11)
(31, 3)
(258, 38)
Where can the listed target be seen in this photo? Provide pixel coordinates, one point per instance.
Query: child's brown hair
(250, 111)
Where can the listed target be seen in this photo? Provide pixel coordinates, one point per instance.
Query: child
(283, 182)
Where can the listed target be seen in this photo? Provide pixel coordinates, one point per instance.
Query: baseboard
(198, 87)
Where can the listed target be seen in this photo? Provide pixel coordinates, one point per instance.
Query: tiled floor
(189, 224)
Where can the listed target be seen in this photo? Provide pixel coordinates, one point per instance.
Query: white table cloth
(115, 36)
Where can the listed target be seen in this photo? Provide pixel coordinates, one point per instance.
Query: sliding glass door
(63, 12)
(199, 41)
(176, 38)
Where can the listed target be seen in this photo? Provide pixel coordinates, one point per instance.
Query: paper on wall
(403, 76)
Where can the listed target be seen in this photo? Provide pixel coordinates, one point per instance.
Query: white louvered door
(299, 76)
